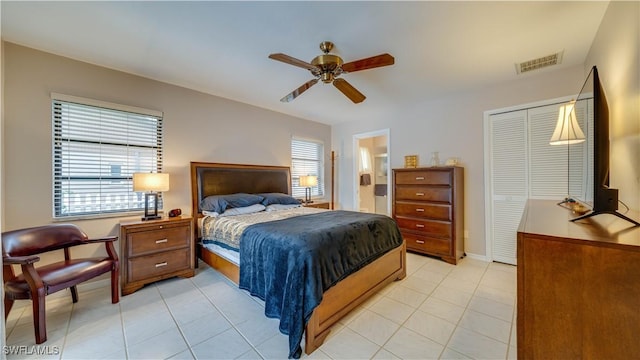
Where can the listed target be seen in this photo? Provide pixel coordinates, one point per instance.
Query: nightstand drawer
(148, 267)
(145, 242)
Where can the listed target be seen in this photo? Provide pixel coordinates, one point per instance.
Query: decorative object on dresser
(155, 250)
(411, 161)
(428, 205)
(150, 184)
(578, 285)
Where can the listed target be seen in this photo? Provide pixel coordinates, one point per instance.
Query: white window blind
(96, 149)
(307, 159)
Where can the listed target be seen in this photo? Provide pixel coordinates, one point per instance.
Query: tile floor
(437, 311)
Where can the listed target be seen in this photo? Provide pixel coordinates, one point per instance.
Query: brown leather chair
(21, 247)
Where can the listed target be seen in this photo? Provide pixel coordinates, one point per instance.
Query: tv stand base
(613, 212)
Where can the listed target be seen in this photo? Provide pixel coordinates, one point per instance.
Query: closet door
(507, 152)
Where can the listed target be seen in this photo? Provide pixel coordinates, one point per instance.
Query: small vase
(435, 159)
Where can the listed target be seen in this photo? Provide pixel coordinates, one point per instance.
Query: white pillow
(210, 213)
(243, 210)
(275, 207)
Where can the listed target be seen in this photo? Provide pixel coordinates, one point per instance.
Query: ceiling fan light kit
(328, 67)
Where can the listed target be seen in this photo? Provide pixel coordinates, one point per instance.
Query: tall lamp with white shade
(567, 132)
(151, 184)
(308, 182)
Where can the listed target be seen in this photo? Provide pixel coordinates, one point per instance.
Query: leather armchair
(21, 247)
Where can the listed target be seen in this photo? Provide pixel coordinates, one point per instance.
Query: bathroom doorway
(371, 172)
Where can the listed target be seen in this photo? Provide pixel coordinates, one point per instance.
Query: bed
(350, 290)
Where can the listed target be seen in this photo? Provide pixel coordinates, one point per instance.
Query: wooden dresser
(578, 285)
(155, 250)
(428, 205)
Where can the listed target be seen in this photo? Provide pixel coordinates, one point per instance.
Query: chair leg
(39, 317)
(115, 291)
(74, 294)
(7, 307)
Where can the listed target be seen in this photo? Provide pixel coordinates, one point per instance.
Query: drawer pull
(161, 241)
(420, 241)
(419, 194)
(420, 210)
(161, 264)
(419, 177)
(419, 225)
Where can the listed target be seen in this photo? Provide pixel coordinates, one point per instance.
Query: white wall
(453, 126)
(616, 53)
(197, 127)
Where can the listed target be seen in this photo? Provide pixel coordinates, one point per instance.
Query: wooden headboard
(221, 179)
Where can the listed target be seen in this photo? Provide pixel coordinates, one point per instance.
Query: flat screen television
(592, 112)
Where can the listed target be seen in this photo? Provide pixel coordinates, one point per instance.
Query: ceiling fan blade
(369, 63)
(295, 93)
(293, 61)
(349, 91)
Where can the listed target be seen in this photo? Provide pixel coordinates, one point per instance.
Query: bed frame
(219, 179)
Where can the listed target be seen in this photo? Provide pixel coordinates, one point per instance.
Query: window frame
(147, 157)
(317, 191)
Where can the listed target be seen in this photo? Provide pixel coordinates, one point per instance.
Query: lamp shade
(308, 181)
(150, 182)
(567, 129)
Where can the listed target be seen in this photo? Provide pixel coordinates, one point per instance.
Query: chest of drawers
(155, 250)
(428, 205)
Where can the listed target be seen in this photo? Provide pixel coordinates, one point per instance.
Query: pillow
(244, 210)
(219, 203)
(276, 207)
(278, 198)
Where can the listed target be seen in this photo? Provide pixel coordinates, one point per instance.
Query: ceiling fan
(329, 67)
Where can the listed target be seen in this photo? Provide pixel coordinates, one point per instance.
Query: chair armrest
(20, 260)
(101, 240)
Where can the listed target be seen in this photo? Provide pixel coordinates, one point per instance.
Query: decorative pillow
(219, 203)
(276, 207)
(244, 210)
(278, 198)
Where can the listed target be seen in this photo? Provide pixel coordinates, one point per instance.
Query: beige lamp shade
(308, 181)
(567, 129)
(145, 182)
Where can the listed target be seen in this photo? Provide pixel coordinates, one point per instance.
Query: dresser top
(546, 218)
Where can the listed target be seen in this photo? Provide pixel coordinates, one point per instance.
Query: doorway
(371, 172)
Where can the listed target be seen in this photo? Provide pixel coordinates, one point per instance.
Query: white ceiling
(221, 48)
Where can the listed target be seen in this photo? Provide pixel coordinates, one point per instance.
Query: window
(97, 147)
(307, 159)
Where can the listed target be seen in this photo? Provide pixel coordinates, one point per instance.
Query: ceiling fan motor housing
(329, 66)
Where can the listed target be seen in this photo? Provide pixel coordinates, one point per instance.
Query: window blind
(96, 149)
(307, 159)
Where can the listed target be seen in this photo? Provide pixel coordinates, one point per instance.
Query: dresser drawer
(432, 227)
(433, 177)
(427, 244)
(423, 193)
(423, 210)
(147, 267)
(160, 239)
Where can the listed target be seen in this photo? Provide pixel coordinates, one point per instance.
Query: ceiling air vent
(539, 63)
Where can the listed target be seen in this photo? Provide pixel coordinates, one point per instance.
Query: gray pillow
(278, 198)
(219, 203)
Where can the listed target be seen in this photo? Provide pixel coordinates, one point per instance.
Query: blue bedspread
(290, 263)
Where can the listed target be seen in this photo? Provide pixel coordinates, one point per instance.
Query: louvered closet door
(548, 171)
(508, 155)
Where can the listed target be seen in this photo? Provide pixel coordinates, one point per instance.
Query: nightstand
(155, 250)
(317, 204)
